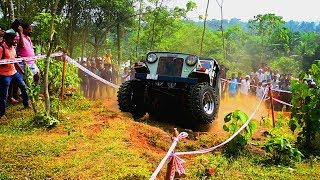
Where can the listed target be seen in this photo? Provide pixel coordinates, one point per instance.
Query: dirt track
(244, 103)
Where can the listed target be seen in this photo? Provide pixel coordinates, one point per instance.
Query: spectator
(93, 83)
(233, 86)
(245, 85)
(9, 73)
(132, 73)
(284, 96)
(107, 75)
(84, 84)
(108, 57)
(239, 78)
(13, 88)
(101, 85)
(125, 76)
(261, 76)
(254, 82)
(114, 77)
(276, 104)
(25, 49)
(260, 90)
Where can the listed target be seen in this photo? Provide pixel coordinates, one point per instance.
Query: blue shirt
(233, 86)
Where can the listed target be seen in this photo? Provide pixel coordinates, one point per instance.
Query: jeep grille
(170, 66)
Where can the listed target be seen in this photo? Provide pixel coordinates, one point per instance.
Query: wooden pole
(64, 69)
(271, 103)
(170, 164)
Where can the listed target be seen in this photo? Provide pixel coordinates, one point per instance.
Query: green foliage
(43, 120)
(281, 151)
(286, 65)
(55, 75)
(279, 146)
(306, 112)
(233, 121)
(41, 27)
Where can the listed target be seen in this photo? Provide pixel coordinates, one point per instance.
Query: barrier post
(64, 69)
(271, 103)
(170, 164)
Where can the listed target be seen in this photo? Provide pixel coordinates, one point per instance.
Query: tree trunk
(154, 25)
(18, 8)
(222, 30)
(119, 41)
(204, 28)
(84, 40)
(11, 11)
(47, 63)
(4, 7)
(139, 28)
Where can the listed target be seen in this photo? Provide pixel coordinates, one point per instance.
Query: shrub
(233, 121)
(280, 151)
(306, 112)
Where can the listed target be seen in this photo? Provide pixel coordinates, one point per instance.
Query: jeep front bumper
(156, 77)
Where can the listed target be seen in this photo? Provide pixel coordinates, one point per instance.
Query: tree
(220, 4)
(11, 11)
(286, 65)
(46, 71)
(264, 26)
(204, 27)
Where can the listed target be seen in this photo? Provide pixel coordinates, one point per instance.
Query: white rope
(17, 60)
(91, 73)
(230, 138)
(170, 151)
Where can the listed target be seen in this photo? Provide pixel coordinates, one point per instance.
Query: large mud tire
(131, 98)
(203, 105)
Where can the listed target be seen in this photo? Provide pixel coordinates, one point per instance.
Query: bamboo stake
(271, 103)
(64, 70)
(170, 164)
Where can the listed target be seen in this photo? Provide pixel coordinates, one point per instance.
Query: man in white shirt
(245, 85)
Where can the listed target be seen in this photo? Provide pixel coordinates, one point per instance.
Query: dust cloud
(244, 103)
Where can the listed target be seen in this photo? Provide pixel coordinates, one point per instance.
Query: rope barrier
(279, 90)
(282, 102)
(91, 73)
(17, 60)
(230, 138)
(178, 161)
(57, 54)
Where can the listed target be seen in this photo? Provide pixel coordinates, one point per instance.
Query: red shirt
(7, 69)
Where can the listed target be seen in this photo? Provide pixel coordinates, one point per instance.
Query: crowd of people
(258, 82)
(16, 42)
(106, 70)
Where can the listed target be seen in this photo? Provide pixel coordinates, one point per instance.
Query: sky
(298, 10)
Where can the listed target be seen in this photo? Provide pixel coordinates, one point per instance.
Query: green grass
(249, 167)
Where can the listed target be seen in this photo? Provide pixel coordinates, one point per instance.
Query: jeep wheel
(203, 103)
(131, 98)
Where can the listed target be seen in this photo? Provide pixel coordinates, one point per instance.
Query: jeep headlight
(152, 58)
(191, 60)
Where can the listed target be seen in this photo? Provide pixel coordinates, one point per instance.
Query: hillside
(96, 141)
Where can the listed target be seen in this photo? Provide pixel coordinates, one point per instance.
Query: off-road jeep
(181, 83)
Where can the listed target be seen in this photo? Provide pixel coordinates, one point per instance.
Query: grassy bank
(94, 142)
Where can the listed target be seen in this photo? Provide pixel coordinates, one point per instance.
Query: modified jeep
(173, 83)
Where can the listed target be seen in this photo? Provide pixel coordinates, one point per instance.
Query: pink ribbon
(170, 154)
